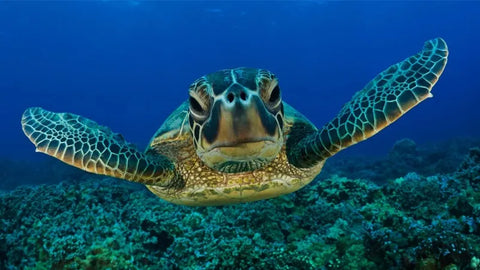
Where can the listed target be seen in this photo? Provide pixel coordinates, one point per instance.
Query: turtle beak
(242, 122)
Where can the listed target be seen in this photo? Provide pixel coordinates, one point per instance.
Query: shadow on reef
(404, 157)
(412, 222)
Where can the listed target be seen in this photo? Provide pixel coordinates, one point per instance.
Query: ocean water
(128, 65)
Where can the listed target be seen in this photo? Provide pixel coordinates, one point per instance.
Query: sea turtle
(235, 140)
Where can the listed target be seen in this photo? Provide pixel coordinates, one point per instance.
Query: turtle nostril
(243, 96)
(230, 97)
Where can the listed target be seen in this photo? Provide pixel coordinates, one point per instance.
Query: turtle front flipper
(84, 144)
(383, 100)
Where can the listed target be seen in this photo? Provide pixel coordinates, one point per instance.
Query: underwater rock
(402, 148)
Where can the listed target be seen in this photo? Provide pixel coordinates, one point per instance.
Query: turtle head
(236, 119)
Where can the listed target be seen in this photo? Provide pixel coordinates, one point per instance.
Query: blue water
(128, 64)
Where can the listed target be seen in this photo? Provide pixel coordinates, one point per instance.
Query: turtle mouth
(244, 150)
(241, 155)
(242, 143)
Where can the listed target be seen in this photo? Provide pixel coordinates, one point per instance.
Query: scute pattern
(84, 144)
(383, 100)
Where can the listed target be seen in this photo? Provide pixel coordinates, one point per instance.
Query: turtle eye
(195, 106)
(274, 95)
(198, 108)
(199, 105)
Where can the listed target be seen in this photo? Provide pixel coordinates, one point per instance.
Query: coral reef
(404, 157)
(412, 222)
